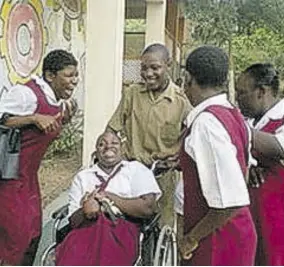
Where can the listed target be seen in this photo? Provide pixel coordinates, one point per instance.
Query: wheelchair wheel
(148, 247)
(166, 249)
(48, 257)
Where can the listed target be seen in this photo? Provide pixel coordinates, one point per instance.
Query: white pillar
(104, 59)
(155, 21)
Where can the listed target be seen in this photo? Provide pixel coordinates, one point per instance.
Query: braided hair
(264, 75)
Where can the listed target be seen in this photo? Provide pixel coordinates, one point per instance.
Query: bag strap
(104, 183)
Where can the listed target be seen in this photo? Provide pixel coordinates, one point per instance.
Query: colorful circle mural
(24, 38)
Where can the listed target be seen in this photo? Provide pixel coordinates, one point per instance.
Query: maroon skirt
(100, 243)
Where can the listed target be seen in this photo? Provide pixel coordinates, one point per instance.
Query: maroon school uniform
(235, 242)
(20, 212)
(101, 243)
(268, 207)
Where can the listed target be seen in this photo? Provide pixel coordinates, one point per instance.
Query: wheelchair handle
(61, 213)
(153, 221)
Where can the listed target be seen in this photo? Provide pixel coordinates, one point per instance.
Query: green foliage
(218, 20)
(133, 45)
(264, 13)
(135, 25)
(213, 22)
(134, 38)
(262, 45)
(70, 139)
(251, 30)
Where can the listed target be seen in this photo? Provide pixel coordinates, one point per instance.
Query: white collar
(100, 172)
(220, 99)
(47, 90)
(274, 113)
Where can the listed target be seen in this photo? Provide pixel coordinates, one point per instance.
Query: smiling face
(63, 82)
(108, 150)
(154, 69)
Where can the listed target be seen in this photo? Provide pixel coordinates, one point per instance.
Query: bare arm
(89, 210)
(117, 121)
(213, 220)
(45, 123)
(213, 150)
(77, 218)
(140, 207)
(20, 121)
(267, 145)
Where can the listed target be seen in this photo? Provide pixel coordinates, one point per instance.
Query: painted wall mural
(23, 38)
(73, 10)
(29, 29)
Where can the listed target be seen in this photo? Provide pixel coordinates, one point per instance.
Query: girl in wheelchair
(96, 238)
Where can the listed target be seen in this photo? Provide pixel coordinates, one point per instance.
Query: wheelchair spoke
(48, 257)
(165, 254)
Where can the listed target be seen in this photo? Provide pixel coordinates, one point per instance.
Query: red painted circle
(24, 15)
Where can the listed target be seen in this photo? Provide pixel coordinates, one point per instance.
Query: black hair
(264, 75)
(209, 65)
(157, 48)
(57, 60)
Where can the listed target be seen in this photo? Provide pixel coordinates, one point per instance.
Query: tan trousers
(167, 183)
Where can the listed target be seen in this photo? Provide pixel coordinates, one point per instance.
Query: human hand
(91, 207)
(187, 246)
(85, 198)
(71, 107)
(256, 177)
(173, 161)
(100, 195)
(47, 123)
(165, 164)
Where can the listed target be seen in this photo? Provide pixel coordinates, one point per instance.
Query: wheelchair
(157, 247)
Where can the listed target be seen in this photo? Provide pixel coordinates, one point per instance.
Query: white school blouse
(209, 145)
(274, 113)
(133, 180)
(20, 100)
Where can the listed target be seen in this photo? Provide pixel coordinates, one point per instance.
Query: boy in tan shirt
(150, 117)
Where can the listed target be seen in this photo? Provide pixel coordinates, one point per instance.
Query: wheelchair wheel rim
(48, 258)
(165, 254)
(168, 254)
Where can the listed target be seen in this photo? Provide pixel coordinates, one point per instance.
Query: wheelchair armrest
(61, 213)
(150, 223)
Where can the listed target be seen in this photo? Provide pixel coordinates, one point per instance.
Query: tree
(262, 45)
(215, 22)
(247, 29)
(264, 13)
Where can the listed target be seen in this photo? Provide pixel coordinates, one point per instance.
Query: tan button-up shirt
(152, 127)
